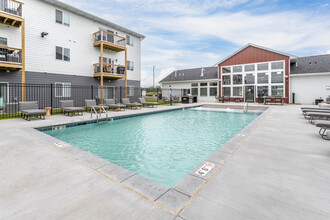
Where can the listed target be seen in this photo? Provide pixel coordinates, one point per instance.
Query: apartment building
(48, 41)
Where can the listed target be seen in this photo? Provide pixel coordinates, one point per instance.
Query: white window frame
(64, 14)
(130, 65)
(130, 91)
(64, 87)
(130, 41)
(216, 87)
(63, 49)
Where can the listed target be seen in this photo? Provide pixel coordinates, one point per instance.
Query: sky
(182, 34)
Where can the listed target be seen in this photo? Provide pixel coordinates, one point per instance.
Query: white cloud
(328, 51)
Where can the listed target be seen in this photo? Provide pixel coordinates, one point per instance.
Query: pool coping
(172, 199)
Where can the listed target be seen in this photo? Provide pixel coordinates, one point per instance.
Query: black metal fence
(50, 95)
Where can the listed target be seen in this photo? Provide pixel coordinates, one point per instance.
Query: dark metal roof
(311, 64)
(192, 74)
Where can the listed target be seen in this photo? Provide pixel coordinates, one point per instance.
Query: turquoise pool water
(163, 147)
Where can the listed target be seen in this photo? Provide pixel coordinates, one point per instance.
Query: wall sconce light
(43, 34)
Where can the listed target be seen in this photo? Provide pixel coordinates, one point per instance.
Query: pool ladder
(246, 108)
(102, 109)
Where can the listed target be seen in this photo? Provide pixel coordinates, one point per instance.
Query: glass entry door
(108, 92)
(249, 93)
(3, 94)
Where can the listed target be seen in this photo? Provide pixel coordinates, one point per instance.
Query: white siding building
(60, 46)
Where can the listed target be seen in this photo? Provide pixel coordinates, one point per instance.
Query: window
(130, 65)
(108, 92)
(213, 91)
(62, 53)
(62, 89)
(130, 90)
(62, 17)
(3, 41)
(203, 84)
(59, 16)
(194, 84)
(249, 68)
(59, 53)
(262, 91)
(262, 66)
(277, 77)
(226, 69)
(203, 91)
(277, 65)
(238, 91)
(277, 91)
(194, 91)
(262, 78)
(226, 80)
(249, 78)
(225, 91)
(66, 54)
(237, 79)
(237, 69)
(129, 40)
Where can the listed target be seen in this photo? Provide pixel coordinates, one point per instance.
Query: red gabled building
(255, 71)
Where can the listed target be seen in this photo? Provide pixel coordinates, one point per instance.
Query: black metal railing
(10, 55)
(110, 38)
(111, 69)
(11, 7)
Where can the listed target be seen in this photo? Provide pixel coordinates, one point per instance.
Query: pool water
(163, 147)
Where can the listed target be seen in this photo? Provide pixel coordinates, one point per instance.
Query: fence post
(92, 89)
(51, 98)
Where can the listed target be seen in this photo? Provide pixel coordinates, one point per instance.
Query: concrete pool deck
(267, 177)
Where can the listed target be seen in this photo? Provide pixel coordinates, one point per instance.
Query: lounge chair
(324, 126)
(130, 104)
(317, 115)
(111, 104)
(319, 110)
(144, 103)
(67, 107)
(29, 109)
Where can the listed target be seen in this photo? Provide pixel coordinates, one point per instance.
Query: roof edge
(93, 17)
(257, 46)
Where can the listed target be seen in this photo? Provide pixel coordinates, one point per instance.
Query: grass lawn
(154, 99)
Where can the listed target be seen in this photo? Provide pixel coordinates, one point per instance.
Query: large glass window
(277, 91)
(249, 67)
(62, 17)
(277, 65)
(262, 91)
(226, 91)
(213, 84)
(130, 91)
(262, 66)
(249, 78)
(226, 69)
(194, 84)
(238, 91)
(237, 79)
(62, 53)
(226, 80)
(203, 84)
(277, 77)
(262, 78)
(194, 91)
(237, 69)
(62, 89)
(203, 91)
(213, 91)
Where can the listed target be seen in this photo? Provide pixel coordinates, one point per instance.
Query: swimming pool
(163, 147)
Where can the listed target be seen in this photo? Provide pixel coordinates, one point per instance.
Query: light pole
(153, 80)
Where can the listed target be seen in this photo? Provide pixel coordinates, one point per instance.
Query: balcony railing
(12, 7)
(10, 55)
(111, 40)
(109, 69)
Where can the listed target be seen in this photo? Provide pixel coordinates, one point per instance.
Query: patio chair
(324, 126)
(318, 115)
(29, 109)
(67, 107)
(111, 104)
(130, 104)
(320, 110)
(144, 103)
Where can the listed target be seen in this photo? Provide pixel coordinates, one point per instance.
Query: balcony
(109, 71)
(10, 58)
(110, 41)
(11, 12)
